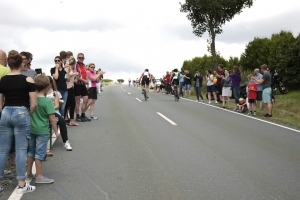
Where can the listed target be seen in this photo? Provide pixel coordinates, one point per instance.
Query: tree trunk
(213, 49)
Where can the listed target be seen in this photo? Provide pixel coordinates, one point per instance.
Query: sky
(124, 37)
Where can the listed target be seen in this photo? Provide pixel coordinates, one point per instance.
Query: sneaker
(254, 113)
(30, 177)
(78, 119)
(27, 188)
(250, 113)
(1, 189)
(235, 109)
(67, 146)
(82, 119)
(202, 100)
(8, 174)
(147, 96)
(267, 115)
(86, 119)
(93, 117)
(217, 102)
(44, 180)
(209, 102)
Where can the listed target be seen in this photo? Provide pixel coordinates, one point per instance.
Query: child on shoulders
(39, 130)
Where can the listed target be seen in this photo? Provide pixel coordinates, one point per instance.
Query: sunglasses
(92, 67)
(56, 60)
(80, 57)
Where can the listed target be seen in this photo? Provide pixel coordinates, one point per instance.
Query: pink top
(91, 74)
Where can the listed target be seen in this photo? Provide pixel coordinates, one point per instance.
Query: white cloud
(125, 37)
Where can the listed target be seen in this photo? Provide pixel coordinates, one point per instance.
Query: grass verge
(286, 110)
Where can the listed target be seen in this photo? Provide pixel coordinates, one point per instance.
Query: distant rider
(146, 78)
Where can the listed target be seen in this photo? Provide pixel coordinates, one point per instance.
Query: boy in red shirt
(252, 95)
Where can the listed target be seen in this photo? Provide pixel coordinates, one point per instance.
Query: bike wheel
(283, 89)
(145, 95)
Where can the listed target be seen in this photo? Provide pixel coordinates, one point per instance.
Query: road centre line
(138, 100)
(128, 92)
(170, 121)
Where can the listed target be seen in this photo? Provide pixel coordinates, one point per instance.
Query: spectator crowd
(31, 102)
(222, 85)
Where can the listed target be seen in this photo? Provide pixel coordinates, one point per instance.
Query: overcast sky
(124, 37)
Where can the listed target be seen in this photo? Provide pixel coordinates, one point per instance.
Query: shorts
(267, 95)
(259, 96)
(187, 86)
(37, 146)
(219, 88)
(210, 88)
(80, 90)
(92, 93)
(175, 82)
(145, 80)
(251, 100)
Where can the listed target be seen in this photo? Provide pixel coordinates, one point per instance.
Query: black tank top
(16, 90)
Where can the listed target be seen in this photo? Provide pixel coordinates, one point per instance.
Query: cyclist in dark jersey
(146, 78)
(175, 80)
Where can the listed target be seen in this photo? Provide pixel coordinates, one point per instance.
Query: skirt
(226, 92)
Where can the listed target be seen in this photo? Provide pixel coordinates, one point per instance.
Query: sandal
(73, 124)
(49, 154)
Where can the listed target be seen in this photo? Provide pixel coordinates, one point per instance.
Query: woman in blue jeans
(59, 74)
(236, 81)
(15, 119)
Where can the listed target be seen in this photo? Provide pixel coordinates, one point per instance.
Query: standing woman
(210, 86)
(226, 90)
(60, 75)
(18, 90)
(198, 85)
(71, 103)
(236, 80)
(92, 88)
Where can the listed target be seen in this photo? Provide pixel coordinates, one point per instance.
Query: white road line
(138, 99)
(170, 121)
(15, 195)
(128, 93)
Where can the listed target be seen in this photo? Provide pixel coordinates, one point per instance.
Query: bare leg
(38, 165)
(84, 104)
(77, 99)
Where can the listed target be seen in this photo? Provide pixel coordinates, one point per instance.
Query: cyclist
(175, 80)
(146, 78)
(129, 81)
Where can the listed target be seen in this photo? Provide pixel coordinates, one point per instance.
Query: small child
(241, 106)
(252, 95)
(37, 145)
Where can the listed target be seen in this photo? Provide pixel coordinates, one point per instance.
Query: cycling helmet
(146, 70)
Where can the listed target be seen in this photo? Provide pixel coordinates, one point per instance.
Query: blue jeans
(37, 146)
(236, 93)
(181, 86)
(14, 122)
(64, 94)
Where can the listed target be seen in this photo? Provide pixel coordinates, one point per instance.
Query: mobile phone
(38, 70)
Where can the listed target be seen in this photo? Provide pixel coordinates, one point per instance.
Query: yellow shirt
(3, 71)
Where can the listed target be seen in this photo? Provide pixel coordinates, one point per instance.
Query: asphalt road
(132, 152)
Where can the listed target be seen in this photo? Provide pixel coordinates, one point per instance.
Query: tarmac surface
(161, 150)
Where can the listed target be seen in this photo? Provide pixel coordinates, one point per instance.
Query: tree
(120, 80)
(210, 15)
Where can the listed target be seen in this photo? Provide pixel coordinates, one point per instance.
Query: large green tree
(210, 15)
